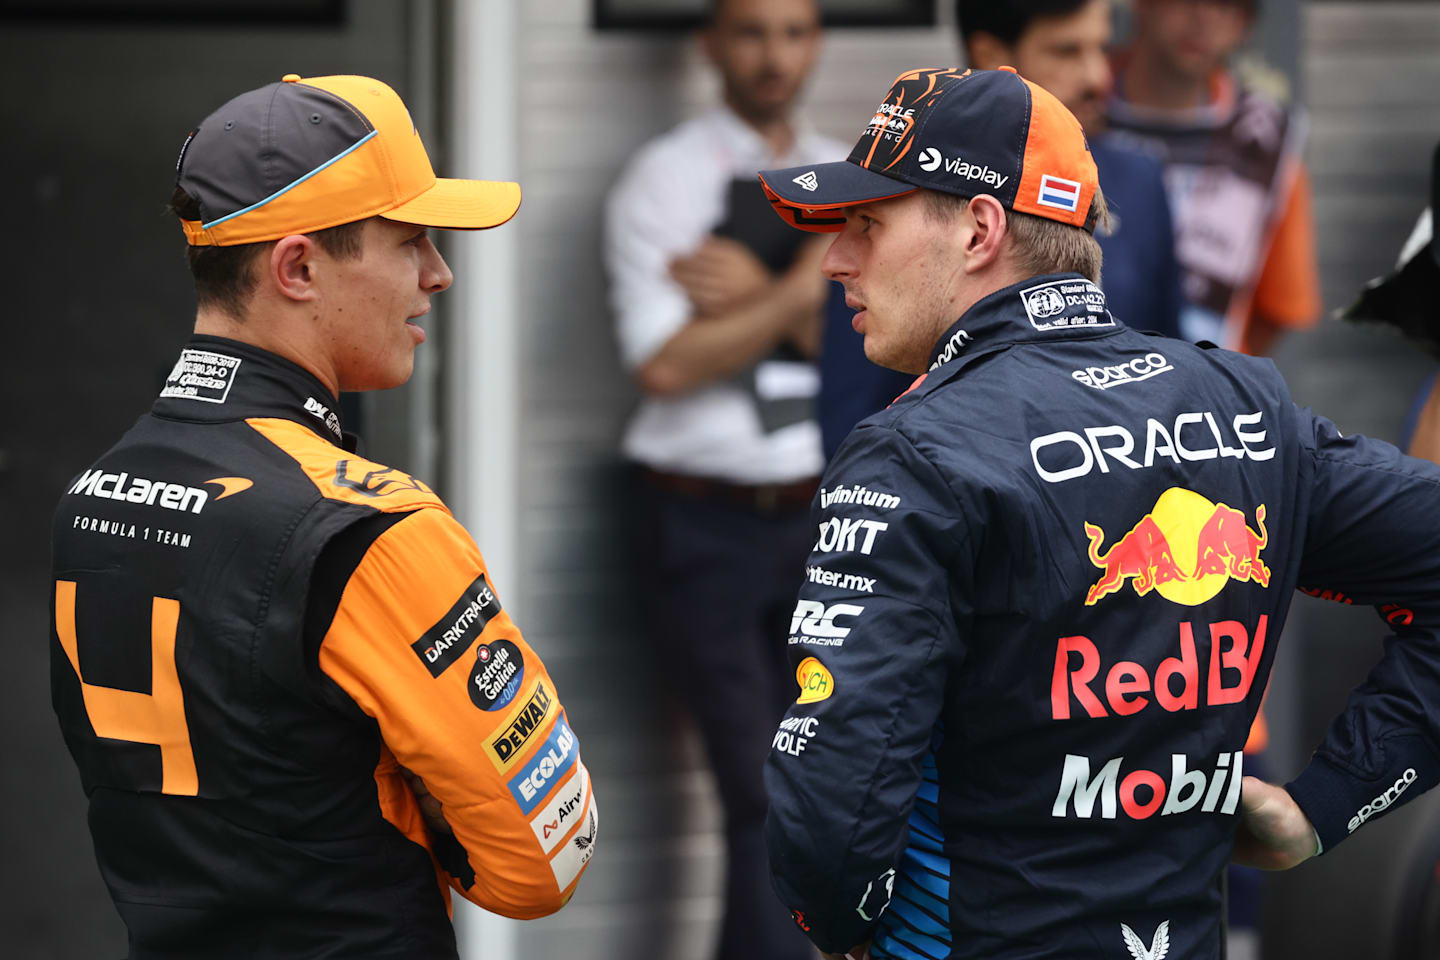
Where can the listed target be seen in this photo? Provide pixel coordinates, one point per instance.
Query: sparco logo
(453, 634)
(152, 493)
(1143, 793)
(1384, 801)
(1131, 371)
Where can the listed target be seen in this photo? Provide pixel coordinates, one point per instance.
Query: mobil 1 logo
(453, 634)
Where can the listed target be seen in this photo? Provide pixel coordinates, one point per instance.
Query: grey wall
(590, 101)
(98, 302)
(1370, 74)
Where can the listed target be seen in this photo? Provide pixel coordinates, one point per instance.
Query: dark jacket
(1038, 620)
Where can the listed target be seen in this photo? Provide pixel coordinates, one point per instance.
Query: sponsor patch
(1062, 304)
(571, 858)
(815, 681)
(498, 675)
(201, 375)
(549, 763)
(452, 634)
(809, 181)
(561, 814)
(794, 735)
(509, 742)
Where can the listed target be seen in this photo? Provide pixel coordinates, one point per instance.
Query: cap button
(291, 78)
(1006, 69)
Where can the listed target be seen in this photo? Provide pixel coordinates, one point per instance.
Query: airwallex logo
(1186, 547)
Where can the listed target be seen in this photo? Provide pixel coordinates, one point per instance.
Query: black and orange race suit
(255, 630)
(1047, 587)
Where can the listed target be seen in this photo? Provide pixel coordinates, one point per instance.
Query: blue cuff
(1339, 800)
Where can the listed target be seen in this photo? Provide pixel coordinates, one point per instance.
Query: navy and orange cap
(965, 132)
(306, 154)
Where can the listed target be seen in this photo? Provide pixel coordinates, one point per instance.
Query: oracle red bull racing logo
(1186, 548)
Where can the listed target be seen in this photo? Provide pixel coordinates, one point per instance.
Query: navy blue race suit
(1038, 619)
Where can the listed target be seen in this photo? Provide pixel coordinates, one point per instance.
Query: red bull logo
(1186, 548)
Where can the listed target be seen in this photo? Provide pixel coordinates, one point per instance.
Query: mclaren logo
(1159, 946)
(379, 482)
(229, 486)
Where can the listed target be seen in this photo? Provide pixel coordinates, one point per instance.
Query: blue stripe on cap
(291, 186)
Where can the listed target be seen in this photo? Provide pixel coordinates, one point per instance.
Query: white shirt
(666, 202)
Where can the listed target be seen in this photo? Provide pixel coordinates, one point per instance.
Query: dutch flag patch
(1059, 193)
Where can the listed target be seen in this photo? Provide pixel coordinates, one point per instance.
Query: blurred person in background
(1063, 45)
(717, 309)
(1239, 191)
(300, 714)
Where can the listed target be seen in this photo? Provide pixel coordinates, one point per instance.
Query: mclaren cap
(305, 154)
(965, 132)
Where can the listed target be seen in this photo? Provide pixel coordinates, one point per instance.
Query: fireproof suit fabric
(254, 629)
(1039, 617)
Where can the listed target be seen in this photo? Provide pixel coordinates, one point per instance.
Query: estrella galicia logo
(453, 634)
(553, 758)
(499, 672)
(379, 482)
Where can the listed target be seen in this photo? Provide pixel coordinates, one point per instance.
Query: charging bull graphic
(1186, 548)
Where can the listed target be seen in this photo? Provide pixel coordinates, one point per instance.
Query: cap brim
(461, 205)
(808, 197)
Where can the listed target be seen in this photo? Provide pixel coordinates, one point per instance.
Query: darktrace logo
(375, 482)
(453, 634)
(1186, 547)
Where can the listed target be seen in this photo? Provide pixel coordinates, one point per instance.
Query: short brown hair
(225, 276)
(1041, 245)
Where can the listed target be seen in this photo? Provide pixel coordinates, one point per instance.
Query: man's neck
(775, 129)
(1151, 82)
(267, 336)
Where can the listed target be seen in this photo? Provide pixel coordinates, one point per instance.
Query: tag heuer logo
(808, 180)
(1158, 946)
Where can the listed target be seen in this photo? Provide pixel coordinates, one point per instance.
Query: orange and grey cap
(306, 154)
(965, 132)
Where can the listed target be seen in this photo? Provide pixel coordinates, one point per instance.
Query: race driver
(300, 712)
(1048, 581)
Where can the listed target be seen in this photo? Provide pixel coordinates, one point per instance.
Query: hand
(430, 808)
(1274, 832)
(720, 275)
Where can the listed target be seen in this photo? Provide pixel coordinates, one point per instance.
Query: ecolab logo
(554, 757)
(1131, 371)
(931, 159)
(1384, 801)
(1185, 789)
(152, 493)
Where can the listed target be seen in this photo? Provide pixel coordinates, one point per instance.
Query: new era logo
(1059, 193)
(809, 181)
